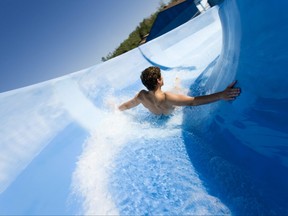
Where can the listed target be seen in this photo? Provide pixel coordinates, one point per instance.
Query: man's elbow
(193, 101)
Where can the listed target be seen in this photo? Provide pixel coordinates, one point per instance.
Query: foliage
(135, 38)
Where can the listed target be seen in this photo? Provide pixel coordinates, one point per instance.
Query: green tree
(137, 35)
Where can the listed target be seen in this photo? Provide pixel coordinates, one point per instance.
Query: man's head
(150, 77)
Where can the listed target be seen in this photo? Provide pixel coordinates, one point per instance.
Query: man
(159, 102)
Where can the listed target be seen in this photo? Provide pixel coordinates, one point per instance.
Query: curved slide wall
(64, 150)
(247, 138)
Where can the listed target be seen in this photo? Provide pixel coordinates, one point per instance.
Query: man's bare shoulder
(177, 99)
(169, 94)
(143, 91)
(142, 94)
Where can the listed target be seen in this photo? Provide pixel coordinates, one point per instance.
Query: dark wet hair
(149, 77)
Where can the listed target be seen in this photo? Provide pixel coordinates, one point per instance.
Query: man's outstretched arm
(230, 93)
(130, 104)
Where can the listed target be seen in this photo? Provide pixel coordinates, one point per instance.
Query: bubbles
(95, 163)
(153, 175)
(137, 164)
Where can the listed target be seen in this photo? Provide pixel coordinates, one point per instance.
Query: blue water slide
(247, 138)
(65, 150)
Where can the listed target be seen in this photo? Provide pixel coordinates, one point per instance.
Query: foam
(91, 175)
(109, 151)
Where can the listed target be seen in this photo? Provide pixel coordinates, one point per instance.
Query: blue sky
(44, 39)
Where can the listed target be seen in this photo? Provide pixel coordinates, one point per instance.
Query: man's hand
(230, 93)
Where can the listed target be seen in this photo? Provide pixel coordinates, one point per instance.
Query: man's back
(155, 101)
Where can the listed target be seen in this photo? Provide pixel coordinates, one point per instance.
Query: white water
(106, 180)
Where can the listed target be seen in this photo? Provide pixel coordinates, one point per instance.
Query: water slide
(65, 150)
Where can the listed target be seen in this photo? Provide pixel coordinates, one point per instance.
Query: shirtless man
(159, 102)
